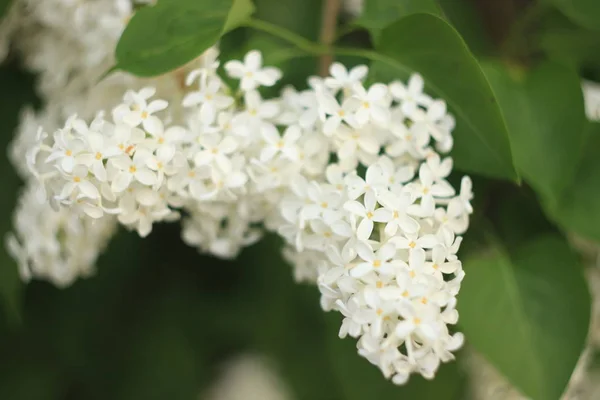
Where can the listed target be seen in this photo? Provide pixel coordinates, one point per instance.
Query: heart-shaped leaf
(543, 109)
(584, 12)
(528, 313)
(579, 209)
(378, 14)
(163, 37)
(428, 45)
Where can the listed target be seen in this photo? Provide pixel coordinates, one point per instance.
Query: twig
(331, 9)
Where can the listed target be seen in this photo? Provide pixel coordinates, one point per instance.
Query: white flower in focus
(285, 144)
(251, 73)
(331, 169)
(336, 113)
(379, 261)
(209, 98)
(410, 96)
(132, 169)
(368, 213)
(137, 110)
(342, 79)
(373, 104)
(217, 150)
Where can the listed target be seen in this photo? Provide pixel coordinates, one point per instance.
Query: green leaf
(565, 41)
(378, 14)
(579, 208)
(584, 12)
(240, 11)
(4, 4)
(163, 37)
(301, 17)
(360, 380)
(512, 206)
(466, 20)
(544, 112)
(528, 313)
(428, 45)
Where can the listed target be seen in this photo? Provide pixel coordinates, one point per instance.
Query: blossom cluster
(69, 46)
(376, 228)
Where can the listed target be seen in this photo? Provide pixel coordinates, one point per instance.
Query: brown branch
(331, 9)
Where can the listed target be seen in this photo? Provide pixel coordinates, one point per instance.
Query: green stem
(291, 37)
(317, 49)
(370, 55)
(346, 30)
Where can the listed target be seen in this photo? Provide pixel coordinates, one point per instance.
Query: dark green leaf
(564, 41)
(517, 216)
(301, 17)
(528, 313)
(239, 13)
(579, 207)
(428, 45)
(584, 12)
(4, 6)
(465, 19)
(172, 33)
(378, 14)
(543, 109)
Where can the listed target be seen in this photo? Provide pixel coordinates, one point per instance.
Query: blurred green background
(159, 320)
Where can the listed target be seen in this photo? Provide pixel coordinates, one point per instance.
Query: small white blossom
(251, 73)
(331, 169)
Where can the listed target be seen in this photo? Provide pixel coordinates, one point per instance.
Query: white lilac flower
(251, 73)
(342, 79)
(410, 96)
(373, 104)
(377, 230)
(591, 96)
